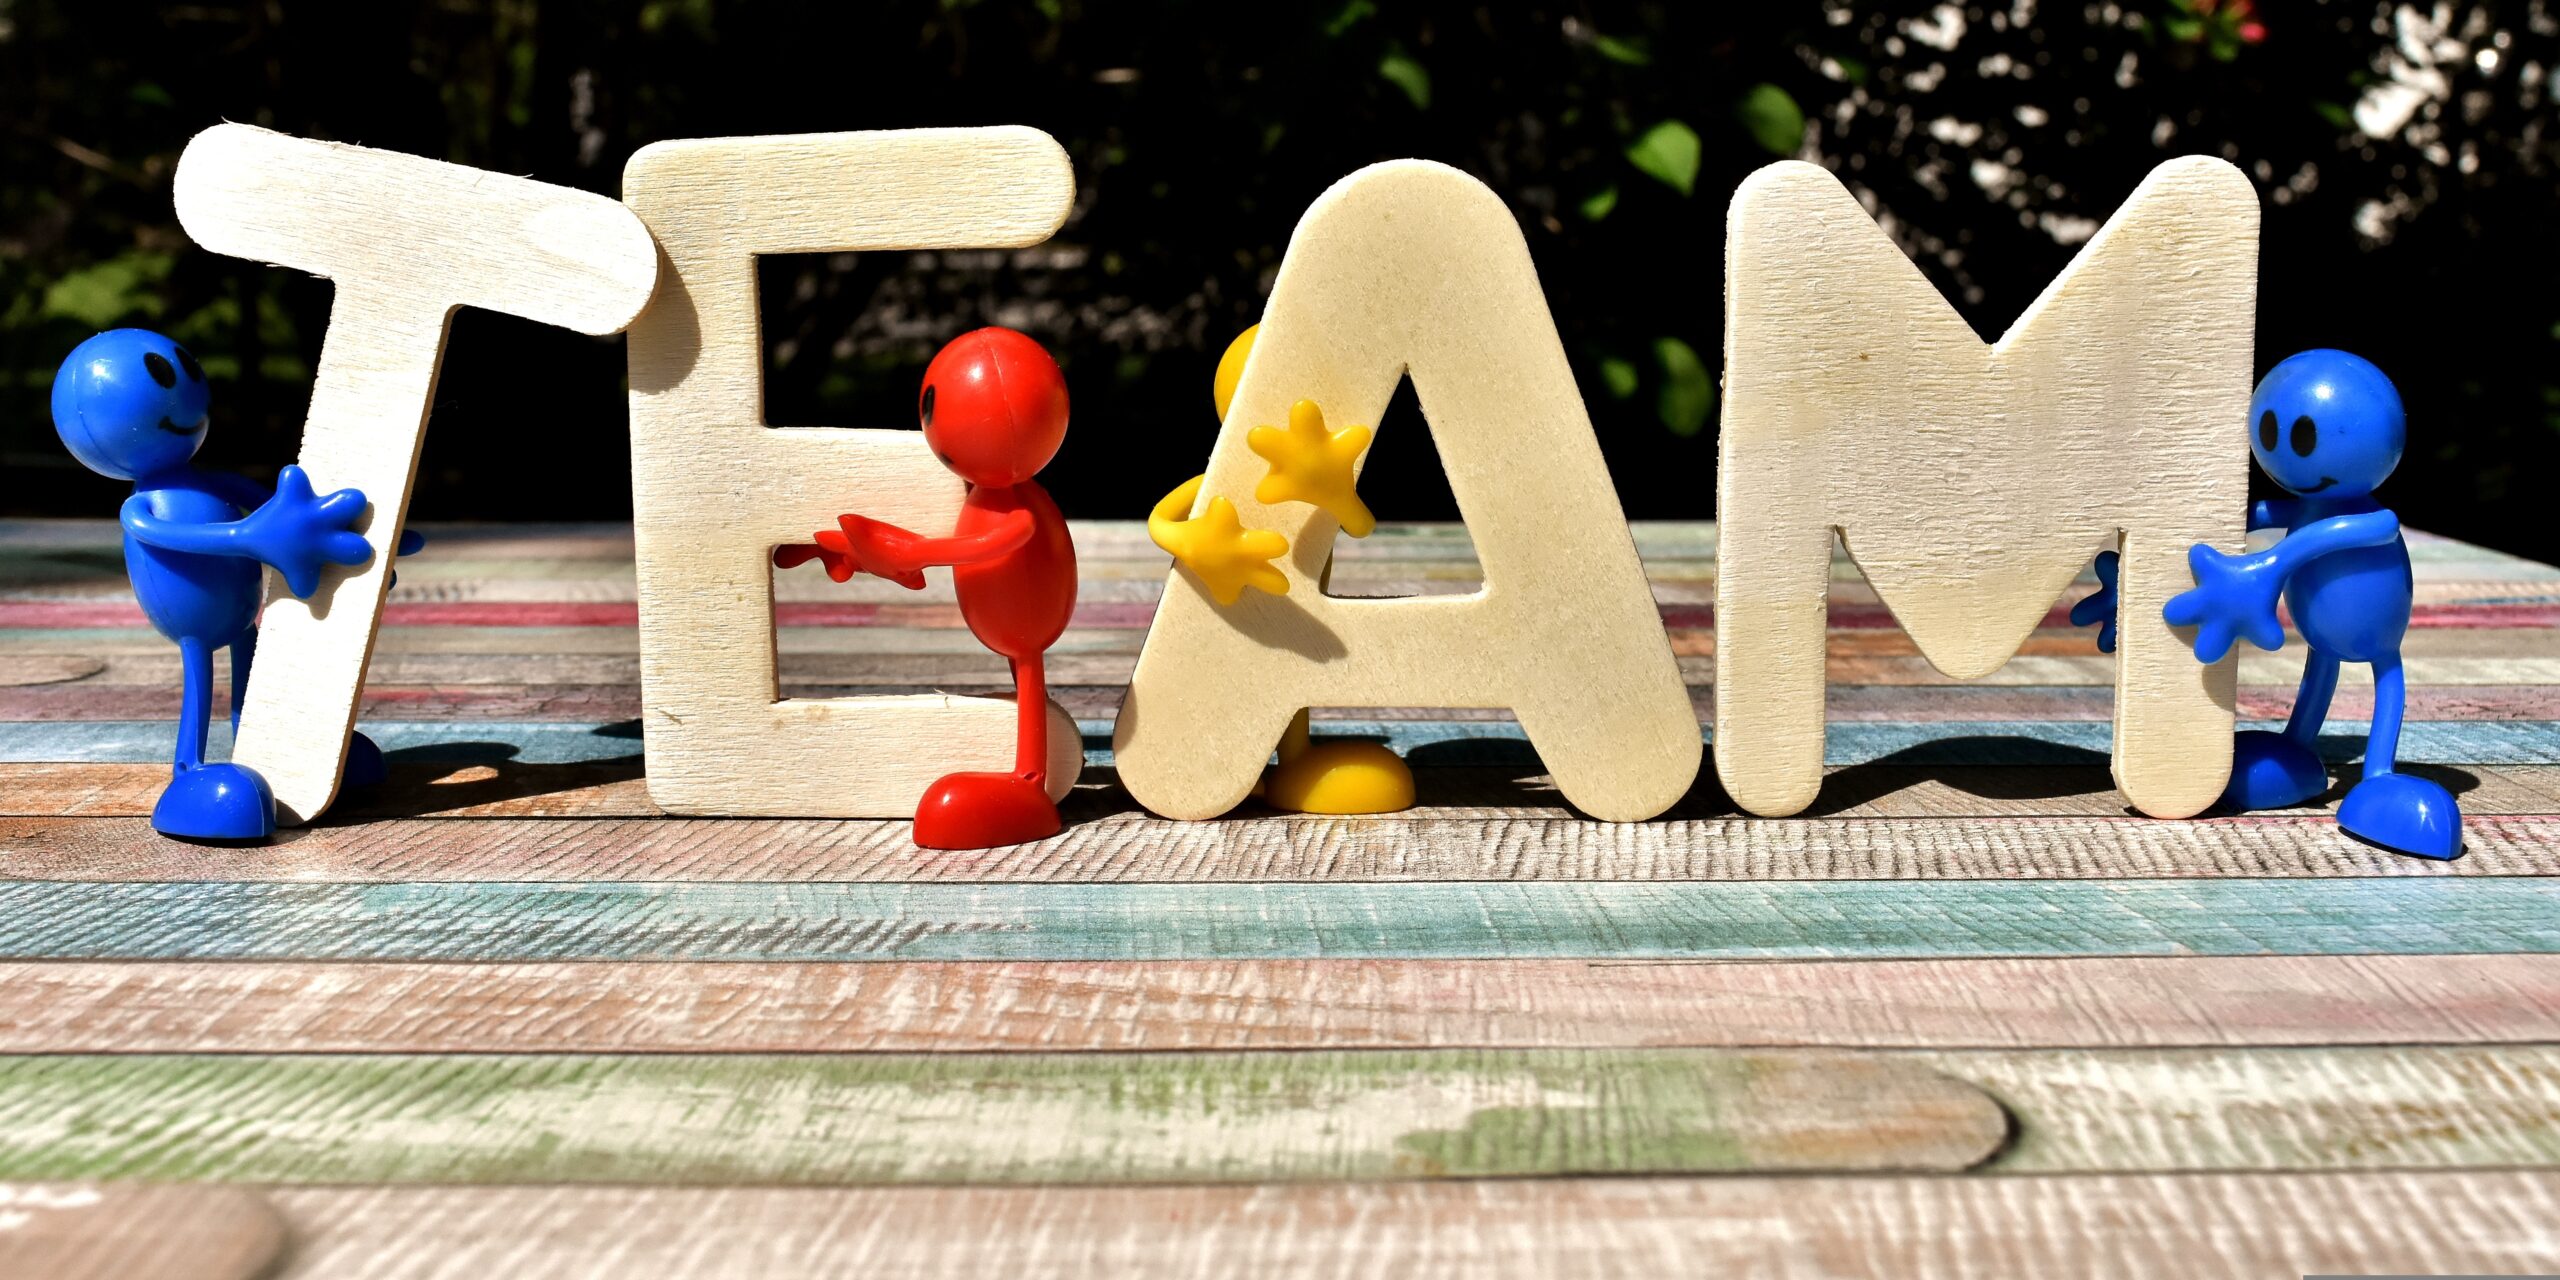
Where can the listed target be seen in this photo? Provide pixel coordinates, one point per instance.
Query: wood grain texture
(1442, 743)
(505, 789)
(831, 921)
(1007, 1118)
(2382, 1107)
(715, 489)
(1973, 481)
(132, 1231)
(464, 237)
(1216, 1117)
(1413, 270)
(942, 1007)
(1865, 1228)
(1123, 848)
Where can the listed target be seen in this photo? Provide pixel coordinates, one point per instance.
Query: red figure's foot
(983, 810)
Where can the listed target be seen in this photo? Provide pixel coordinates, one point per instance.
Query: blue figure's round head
(129, 402)
(2327, 424)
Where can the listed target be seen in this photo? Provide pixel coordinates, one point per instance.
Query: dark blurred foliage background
(2407, 154)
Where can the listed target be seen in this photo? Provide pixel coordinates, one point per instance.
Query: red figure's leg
(983, 810)
(1031, 721)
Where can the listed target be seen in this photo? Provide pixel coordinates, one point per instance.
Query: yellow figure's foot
(1216, 547)
(1310, 464)
(1340, 777)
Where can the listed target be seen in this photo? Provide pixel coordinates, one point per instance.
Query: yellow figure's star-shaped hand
(1215, 545)
(1310, 464)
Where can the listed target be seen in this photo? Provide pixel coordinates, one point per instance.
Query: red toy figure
(995, 411)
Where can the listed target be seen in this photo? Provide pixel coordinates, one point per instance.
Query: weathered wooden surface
(133, 1231)
(507, 965)
(984, 1118)
(1075, 1006)
(2101, 1228)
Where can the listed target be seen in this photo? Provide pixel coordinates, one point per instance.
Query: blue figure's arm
(2273, 513)
(240, 491)
(2100, 606)
(249, 495)
(295, 531)
(2235, 596)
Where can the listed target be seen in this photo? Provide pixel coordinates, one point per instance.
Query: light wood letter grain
(714, 489)
(1415, 268)
(1972, 481)
(406, 241)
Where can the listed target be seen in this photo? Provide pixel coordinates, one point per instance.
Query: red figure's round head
(994, 407)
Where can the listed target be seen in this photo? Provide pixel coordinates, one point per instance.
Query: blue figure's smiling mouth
(2325, 482)
(176, 430)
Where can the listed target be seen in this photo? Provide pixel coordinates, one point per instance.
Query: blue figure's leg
(243, 652)
(2397, 810)
(208, 801)
(2390, 698)
(195, 703)
(2279, 770)
(2311, 701)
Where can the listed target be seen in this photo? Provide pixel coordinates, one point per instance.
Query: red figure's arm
(864, 545)
(888, 547)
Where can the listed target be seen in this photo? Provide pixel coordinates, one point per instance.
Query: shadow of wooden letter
(1413, 267)
(406, 242)
(1971, 481)
(714, 490)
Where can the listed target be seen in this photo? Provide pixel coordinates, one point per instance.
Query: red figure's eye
(994, 407)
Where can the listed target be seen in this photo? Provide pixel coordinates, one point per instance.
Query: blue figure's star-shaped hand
(298, 532)
(2235, 596)
(2100, 606)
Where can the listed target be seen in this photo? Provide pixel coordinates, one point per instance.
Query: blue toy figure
(2327, 426)
(131, 404)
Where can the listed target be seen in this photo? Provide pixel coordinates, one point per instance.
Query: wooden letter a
(1410, 267)
(1970, 480)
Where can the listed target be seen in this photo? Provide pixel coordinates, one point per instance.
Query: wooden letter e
(714, 490)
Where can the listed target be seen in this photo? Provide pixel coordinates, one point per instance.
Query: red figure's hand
(881, 550)
(838, 565)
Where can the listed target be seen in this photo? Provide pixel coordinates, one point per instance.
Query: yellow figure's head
(1231, 369)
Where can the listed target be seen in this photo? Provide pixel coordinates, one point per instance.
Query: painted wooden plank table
(1969, 1016)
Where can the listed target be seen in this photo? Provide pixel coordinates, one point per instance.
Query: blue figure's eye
(195, 372)
(2267, 430)
(2306, 436)
(162, 371)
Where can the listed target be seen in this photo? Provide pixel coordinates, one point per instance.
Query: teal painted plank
(483, 920)
(1428, 742)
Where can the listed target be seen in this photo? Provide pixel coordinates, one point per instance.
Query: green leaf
(1668, 152)
(101, 294)
(2336, 114)
(1404, 73)
(1688, 391)
(150, 95)
(1618, 376)
(1350, 15)
(1598, 204)
(1627, 52)
(1773, 119)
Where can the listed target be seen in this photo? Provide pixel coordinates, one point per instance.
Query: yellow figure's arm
(1215, 546)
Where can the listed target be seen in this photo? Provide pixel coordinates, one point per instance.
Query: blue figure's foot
(2272, 771)
(364, 763)
(216, 802)
(2405, 814)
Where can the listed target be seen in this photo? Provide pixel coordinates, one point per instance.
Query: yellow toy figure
(1310, 464)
